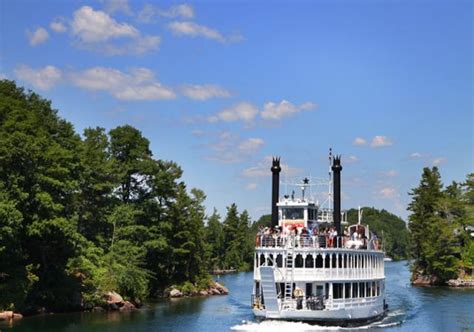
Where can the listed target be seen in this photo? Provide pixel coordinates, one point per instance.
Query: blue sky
(219, 87)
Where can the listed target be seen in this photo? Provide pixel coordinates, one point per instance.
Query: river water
(411, 309)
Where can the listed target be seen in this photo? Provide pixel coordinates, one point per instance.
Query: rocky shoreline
(213, 289)
(428, 281)
(115, 302)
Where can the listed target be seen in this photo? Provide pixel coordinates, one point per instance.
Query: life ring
(298, 292)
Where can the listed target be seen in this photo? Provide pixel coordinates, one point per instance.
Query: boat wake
(392, 319)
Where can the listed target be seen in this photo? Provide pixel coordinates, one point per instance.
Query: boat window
(293, 213)
(309, 289)
(362, 289)
(299, 261)
(319, 261)
(355, 290)
(309, 261)
(337, 291)
(279, 260)
(347, 291)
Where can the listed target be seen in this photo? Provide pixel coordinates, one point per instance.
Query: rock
(460, 283)
(9, 315)
(222, 290)
(203, 293)
(98, 309)
(6, 315)
(113, 306)
(127, 306)
(215, 291)
(113, 297)
(137, 303)
(175, 293)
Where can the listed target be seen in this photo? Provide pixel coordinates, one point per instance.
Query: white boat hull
(342, 315)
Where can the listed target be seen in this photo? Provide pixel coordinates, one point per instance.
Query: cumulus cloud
(388, 193)
(359, 141)
(352, 159)
(113, 6)
(262, 169)
(149, 13)
(251, 186)
(416, 155)
(58, 26)
(277, 111)
(39, 36)
(137, 84)
(42, 78)
(230, 148)
(191, 29)
(391, 173)
(245, 112)
(95, 30)
(381, 141)
(204, 92)
(439, 161)
(93, 26)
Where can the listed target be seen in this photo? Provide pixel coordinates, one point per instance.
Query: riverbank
(431, 280)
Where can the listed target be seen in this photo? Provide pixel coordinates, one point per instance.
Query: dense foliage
(232, 241)
(390, 228)
(80, 216)
(442, 246)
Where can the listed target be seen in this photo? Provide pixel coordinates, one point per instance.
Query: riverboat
(302, 272)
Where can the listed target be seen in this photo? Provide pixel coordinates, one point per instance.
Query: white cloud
(113, 6)
(43, 78)
(388, 193)
(380, 141)
(191, 29)
(439, 161)
(230, 148)
(138, 84)
(352, 159)
(96, 31)
(204, 92)
(273, 111)
(251, 186)
(58, 26)
(262, 169)
(92, 26)
(39, 36)
(250, 145)
(416, 155)
(240, 112)
(359, 141)
(149, 12)
(391, 173)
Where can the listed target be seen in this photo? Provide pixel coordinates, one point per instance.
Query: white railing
(341, 274)
(316, 241)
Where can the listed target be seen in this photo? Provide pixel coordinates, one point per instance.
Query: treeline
(441, 223)
(388, 227)
(83, 215)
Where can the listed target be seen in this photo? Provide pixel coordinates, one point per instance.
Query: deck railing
(318, 241)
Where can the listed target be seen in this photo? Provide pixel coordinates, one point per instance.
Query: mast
(275, 189)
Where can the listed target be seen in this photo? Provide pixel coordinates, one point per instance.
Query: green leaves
(437, 226)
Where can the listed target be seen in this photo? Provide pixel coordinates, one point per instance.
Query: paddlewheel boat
(306, 268)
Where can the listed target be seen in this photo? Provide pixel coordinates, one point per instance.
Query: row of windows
(355, 289)
(341, 261)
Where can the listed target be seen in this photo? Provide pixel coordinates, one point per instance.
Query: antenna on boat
(359, 215)
(330, 178)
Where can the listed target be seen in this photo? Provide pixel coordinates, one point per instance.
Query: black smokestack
(336, 170)
(275, 189)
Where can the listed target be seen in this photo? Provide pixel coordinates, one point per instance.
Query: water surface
(411, 309)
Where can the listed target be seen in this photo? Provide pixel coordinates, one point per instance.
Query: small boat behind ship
(307, 269)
